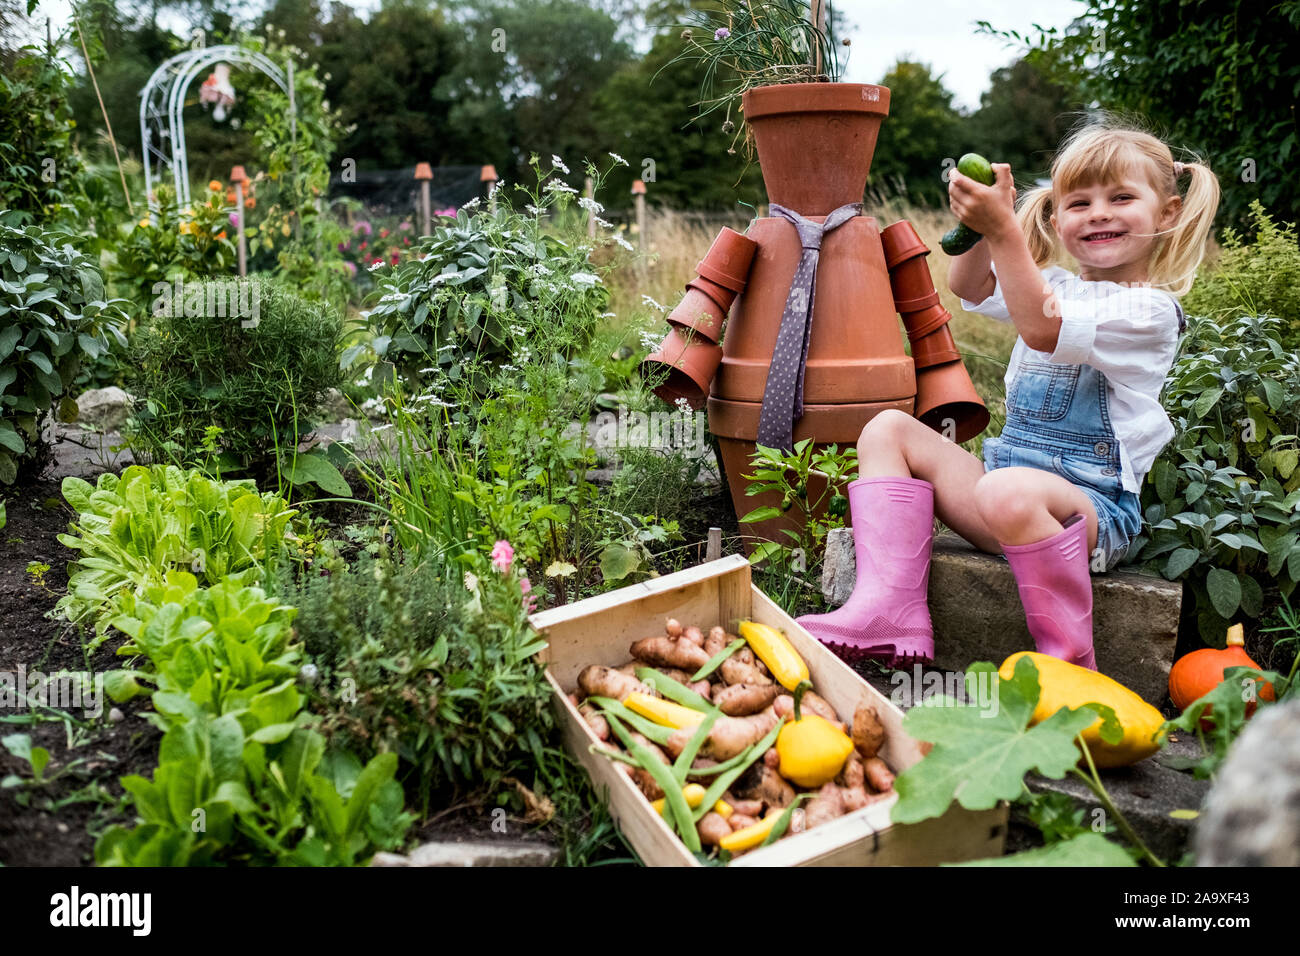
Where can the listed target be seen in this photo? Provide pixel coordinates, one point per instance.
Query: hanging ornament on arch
(218, 90)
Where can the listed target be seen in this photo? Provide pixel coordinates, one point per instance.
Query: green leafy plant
(980, 757)
(439, 670)
(37, 160)
(749, 43)
(132, 530)
(1221, 500)
(789, 475)
(53, 318)
(1253, 278)
(242, 776)
(259, 371)
(487, 290)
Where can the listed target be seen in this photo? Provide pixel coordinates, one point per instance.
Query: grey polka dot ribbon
(783, 393)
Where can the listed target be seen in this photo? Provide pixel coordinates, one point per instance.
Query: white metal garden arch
(162, 130)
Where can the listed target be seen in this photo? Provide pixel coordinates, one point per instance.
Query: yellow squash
(662, 711)
(694, 794)
(1064, 684)
(751, 836)
(774, 650)
(812, 750)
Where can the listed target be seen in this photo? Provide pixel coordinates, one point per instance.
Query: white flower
(471, 204)
(603, 224)
(609, 315)
(445, 348)
(539, 269)
(584, 280)
(625, 244)
(558, 163)
(554, 185)
(377, 264)
(651, 302)
(518, 330)
(591, 205)
(533, 210)
(619, 159)
(648, 341)
(427, 371)
(683, 405)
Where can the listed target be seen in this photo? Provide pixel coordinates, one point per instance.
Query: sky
(938, 32)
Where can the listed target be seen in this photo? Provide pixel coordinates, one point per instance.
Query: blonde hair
(1105, 150)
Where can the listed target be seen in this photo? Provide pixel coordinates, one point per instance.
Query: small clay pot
(690, 360)
(718, 293)
(900, 242)
(947, 401)
(934, 349)
(699, 313)
(728, 260)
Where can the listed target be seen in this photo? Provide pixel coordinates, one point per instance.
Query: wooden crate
(599, 631)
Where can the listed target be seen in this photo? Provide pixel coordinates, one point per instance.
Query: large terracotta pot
(815, 141)
(856, 368)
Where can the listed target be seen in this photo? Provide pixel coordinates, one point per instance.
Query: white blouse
(1130, 335)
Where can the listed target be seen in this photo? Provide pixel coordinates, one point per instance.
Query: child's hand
(989, 210)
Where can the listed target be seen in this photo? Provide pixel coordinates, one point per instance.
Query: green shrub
(37, 161)
(1257, 278)
(491, 289)
(259, 379)
(412, 663)
(1222, 502)
(53, 318)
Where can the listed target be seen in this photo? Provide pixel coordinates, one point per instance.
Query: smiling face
(1112, 229)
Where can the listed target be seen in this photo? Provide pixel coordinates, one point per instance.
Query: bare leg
(895, 443)
(1024, 505)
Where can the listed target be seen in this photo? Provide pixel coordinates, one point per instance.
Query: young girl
(1057, 492)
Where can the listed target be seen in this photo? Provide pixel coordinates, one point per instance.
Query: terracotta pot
(855, 349)
(736, 426)
(728, 259)
(946, 400)
(815, 141)
(699, 313)
(690, 362)
(719, 294)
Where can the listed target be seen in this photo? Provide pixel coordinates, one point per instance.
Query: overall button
(1101, 448)
(1108, 471)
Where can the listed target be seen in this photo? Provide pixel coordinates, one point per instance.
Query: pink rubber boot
(1056, 591)
(887, 615)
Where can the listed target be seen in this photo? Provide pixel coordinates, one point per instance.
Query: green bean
(719, 786)
(676, 692)
(687, 756)
(612, 754)
(716, 660)
(643, 725)
(674, 799)
(779, 828)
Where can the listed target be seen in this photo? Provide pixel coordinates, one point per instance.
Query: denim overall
(1058, 419)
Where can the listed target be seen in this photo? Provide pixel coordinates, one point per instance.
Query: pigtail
(1174, 264)
(1034, 214)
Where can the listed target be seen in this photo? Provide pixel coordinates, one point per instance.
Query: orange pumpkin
(1196, 674)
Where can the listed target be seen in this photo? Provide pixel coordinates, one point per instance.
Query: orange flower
(230, 196)
(250, 202)
(215, 186)
(221, 234)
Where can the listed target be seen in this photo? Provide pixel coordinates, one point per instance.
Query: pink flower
(530, 600)
(721, 33)
(502, 556)
(234, 219)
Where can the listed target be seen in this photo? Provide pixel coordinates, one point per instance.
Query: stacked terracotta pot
(815, 143)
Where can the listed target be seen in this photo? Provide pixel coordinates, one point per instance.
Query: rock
(115, 716)
(104, 408)
(336, 405)
(977, 615)
(1252, 814)
(474, 853)
(839, 571)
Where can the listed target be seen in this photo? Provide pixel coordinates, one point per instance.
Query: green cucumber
(962, 238)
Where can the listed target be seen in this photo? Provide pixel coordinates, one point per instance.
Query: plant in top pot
(811, 346)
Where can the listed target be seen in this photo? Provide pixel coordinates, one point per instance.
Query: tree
(1218, 77)
(1023, 117)
(921, 131)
